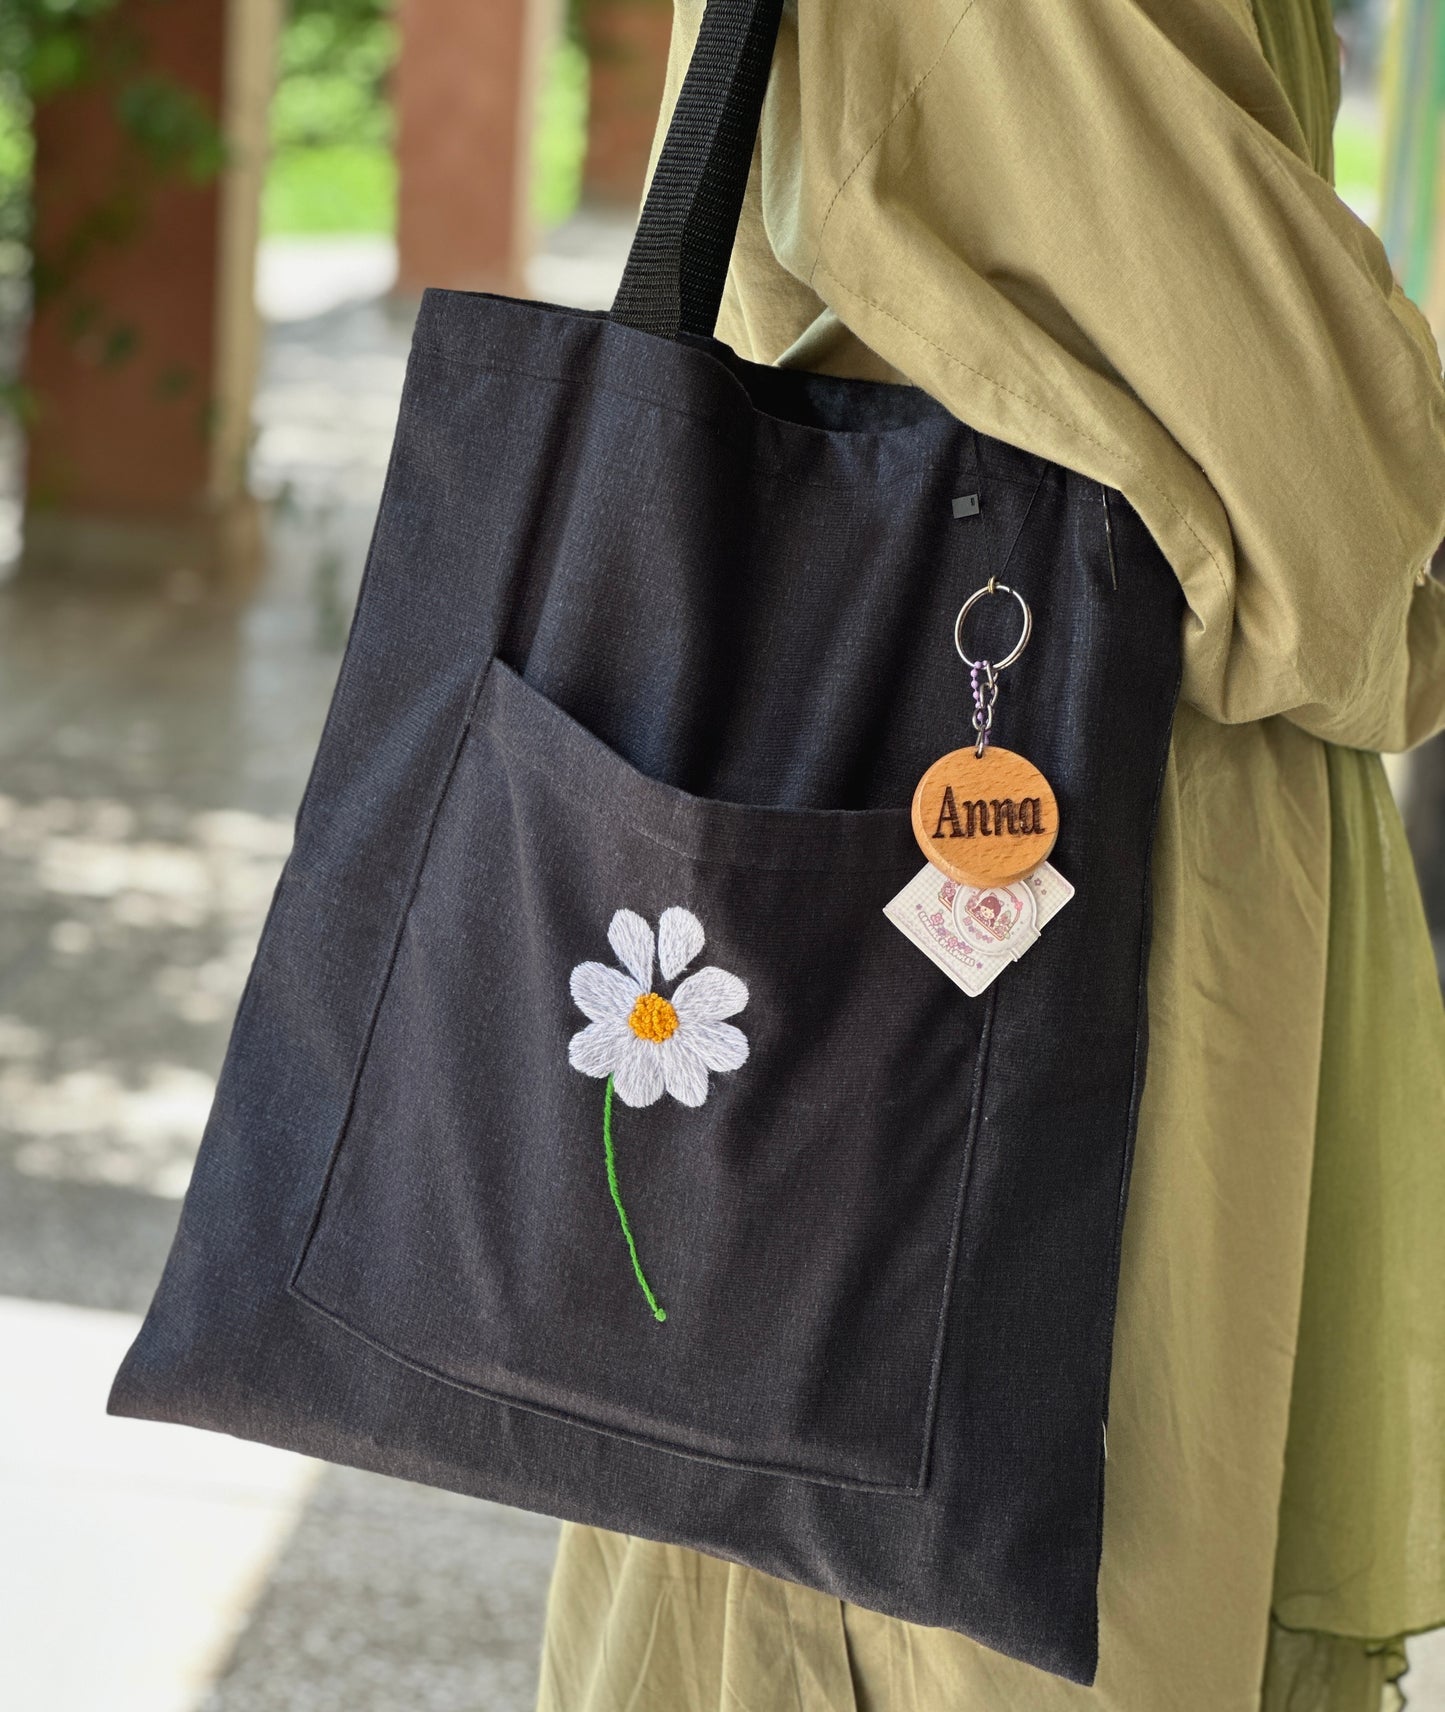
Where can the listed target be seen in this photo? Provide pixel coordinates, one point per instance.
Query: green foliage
(50, 46)
(332, 85)
(15, 158)
(329, 189)
(49, 43)
(15, 146)
(331, 128)
(171, 128)
(332, 167)
(1359, 156)
(560, 139)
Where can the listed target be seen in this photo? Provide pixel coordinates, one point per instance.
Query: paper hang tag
(985, 820)
(973, 933)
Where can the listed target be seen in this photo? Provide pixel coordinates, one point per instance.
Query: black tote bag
(652, 647)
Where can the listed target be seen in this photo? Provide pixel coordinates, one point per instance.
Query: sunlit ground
(179, 916)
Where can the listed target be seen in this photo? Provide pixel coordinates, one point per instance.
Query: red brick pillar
(464, 89)
(627, 43)
(139, 358)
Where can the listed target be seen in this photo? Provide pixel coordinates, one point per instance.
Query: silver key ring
(992, 587)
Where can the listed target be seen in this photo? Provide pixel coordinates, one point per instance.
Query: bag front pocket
(722, 1219)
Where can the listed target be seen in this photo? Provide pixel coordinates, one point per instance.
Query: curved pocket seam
(384, 985)
(955, 1235)
(575, 730)
(743, 400)
(582, 1423)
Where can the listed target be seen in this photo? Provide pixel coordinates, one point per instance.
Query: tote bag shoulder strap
(673, 282)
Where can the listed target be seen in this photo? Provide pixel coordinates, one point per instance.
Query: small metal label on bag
(973, 933)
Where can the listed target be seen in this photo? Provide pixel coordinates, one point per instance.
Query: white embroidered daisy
(649, 1044)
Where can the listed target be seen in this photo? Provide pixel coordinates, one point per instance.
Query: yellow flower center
(653, 1018)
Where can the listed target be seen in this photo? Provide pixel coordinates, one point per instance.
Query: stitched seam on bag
(1042, 410)
(1136, 1096)
(668, 1447)
(413, 886)
(598, 795)
(897, 114)
(708, 422)
(588, 384)
(382, 513)
(955, 1241)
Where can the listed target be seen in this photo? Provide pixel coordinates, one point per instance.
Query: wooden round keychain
(985, 816)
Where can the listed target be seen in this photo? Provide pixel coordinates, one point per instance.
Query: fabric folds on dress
(1104, 231)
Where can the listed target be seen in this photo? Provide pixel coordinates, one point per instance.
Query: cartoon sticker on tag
(994, 918)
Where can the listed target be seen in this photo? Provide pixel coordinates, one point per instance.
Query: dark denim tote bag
(652, 647)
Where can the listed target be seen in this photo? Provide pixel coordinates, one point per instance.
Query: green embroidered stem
(657, 1313)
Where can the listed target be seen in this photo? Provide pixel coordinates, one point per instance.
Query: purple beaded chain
(980, 722)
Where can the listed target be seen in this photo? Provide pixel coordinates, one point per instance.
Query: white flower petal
(679, 939)
(602, 992)
(683, 1072)
(638, 1077)
(631, 938)
(719, 1045)
(709, 995)
(599, 1048)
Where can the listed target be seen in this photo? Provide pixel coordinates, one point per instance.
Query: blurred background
(215, 220)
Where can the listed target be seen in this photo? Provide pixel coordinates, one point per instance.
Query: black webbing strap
(678, 264)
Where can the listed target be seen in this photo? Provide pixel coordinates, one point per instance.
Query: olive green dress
(1103, 230)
